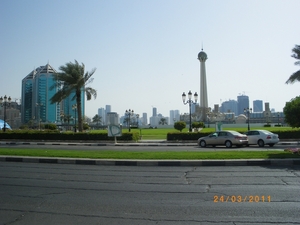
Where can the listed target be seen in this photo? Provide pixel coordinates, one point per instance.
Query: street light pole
(190, 102)
(278, 118)
(4, 104)
(129, 113)
(74, 107)
(248, 111)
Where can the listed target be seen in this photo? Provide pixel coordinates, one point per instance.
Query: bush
(50, 126)
(180, 125)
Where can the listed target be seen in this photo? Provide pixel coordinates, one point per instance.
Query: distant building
(229, 106)
(243, 103)
(174, 116)
(154, 111)
(102, 115)
(257, 106)
(145, 119)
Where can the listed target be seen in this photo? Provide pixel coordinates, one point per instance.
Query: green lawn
(161, 133)
(170, 155)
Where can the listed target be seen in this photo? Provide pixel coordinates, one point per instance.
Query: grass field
(142, 155)
(161, 133)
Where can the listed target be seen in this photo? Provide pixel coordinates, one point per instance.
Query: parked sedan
(262, 138)
(226, 137)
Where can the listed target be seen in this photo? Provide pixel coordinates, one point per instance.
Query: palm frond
(294, 77)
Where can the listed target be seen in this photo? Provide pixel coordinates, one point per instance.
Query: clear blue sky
(146, 51)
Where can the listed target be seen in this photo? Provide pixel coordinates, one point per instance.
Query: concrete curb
(112, 162)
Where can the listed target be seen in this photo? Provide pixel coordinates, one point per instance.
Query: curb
(111, 162)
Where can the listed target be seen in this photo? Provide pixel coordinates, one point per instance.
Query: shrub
(180, 125)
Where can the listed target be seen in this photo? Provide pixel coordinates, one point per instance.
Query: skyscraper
(202, 57)
(36, 95)
(257, 106)
(243, 103)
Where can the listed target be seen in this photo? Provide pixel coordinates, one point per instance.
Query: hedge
(65, 136)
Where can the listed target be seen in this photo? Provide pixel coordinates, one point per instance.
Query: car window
(255, 133)
(222, 134)
(213, 135)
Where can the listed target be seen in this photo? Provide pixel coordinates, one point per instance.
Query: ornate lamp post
(74, 107)
(5, 103)
(248, 111)
(137, 120)
(62, 119)
(38, 105)
(190, 102)
(129, 113)
(278, 114)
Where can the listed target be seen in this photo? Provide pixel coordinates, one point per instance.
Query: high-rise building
(36, 94)
(154, 111)
(257, 106)
(174, 116)
(101, 114)
(229, 106)
(243, 103)
(202, 57)
(145, 119)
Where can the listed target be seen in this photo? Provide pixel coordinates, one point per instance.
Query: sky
(145, 52)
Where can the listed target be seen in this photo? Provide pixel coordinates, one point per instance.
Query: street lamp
(74, 107)
(5, 103)
(137, 120)
(190, 102)
(278, 118)
(129, 113)
(38, 105)
(248, 111)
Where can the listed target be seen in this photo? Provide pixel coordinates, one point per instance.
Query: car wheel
(228, 144)
(261, 143)
(202, 144)
(271, 145)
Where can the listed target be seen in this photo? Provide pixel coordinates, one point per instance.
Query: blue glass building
(36, 95)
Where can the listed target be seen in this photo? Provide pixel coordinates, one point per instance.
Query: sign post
(114, 128)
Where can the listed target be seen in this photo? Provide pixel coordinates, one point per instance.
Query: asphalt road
(36, 194)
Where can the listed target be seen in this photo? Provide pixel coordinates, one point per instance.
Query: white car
(262, 138)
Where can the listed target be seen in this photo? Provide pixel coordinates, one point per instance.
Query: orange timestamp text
(240, 198)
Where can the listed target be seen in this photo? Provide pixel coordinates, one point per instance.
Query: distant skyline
(145, 52)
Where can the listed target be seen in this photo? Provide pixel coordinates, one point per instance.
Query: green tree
(198, 125)
(50, 126)
(97, 119)
(180, 125)
(73, 80)
(163, 121)
(292, 112)
(295, 76)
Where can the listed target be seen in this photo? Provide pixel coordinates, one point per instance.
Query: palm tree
(97, 119)
(295, 76)
(73, 80)
(163, 121)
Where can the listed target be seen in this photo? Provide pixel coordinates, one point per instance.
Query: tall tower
(202, 57)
